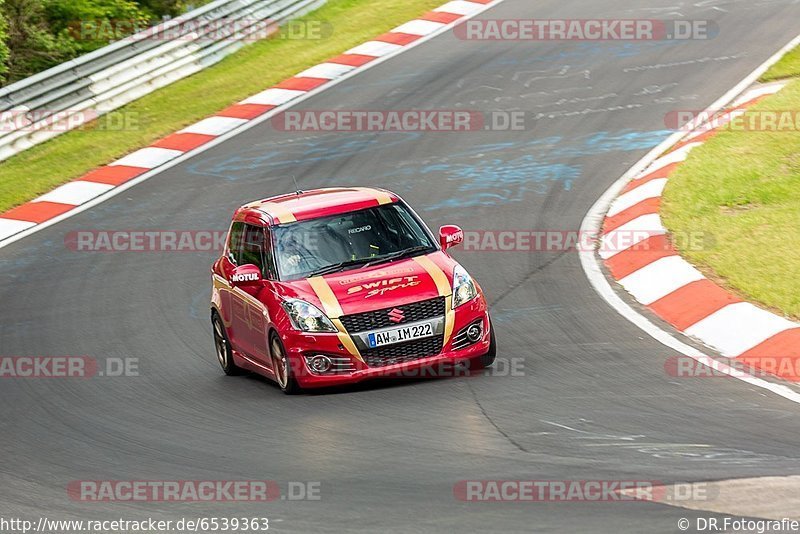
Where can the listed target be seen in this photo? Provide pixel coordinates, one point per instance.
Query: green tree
(3, 45)
(38, 34)
(32, 46)
(161, 8)
(91, 24)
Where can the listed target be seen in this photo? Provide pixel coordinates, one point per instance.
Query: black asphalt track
(589, 398)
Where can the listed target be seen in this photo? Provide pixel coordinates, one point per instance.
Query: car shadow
(382, 383)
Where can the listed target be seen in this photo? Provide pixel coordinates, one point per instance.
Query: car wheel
(284, 375)
(486, 360)
(223, 347)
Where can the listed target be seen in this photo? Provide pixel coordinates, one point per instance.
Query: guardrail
(64, 97)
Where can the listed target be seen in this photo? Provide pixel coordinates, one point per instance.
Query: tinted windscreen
(344, 241)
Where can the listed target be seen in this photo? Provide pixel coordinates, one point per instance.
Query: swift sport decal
(381, 287)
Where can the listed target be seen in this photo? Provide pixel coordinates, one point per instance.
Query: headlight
(463, 287)
(307, 317)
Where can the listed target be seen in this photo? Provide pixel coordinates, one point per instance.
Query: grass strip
(741, 190)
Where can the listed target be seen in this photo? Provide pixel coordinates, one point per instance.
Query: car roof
(304, 205)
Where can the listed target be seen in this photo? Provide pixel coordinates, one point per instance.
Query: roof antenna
(297, 190)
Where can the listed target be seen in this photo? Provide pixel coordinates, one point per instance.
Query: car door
(256, 250)
(233, 298)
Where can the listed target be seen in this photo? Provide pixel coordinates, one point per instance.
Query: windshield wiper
(398, 255)
(368, 262)
(336, 267)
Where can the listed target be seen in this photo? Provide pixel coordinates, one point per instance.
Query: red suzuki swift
(334, 286)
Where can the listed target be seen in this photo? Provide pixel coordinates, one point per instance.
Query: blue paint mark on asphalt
(495, 181)
(267, 158)
(602, 142)
(484, 174)
(498, 180)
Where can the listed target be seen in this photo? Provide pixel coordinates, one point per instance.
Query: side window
(256, 249)
(234, 242)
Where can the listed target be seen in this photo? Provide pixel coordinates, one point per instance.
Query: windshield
(349, 240)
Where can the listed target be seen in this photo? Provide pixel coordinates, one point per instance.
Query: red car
(334, 286)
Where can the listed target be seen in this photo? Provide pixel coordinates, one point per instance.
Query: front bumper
(300, 345)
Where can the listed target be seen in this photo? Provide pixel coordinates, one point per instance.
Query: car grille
(417, 311)
(403, 352)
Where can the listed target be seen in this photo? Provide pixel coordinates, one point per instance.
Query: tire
(486, 360)
(222, 347)
(284, 376)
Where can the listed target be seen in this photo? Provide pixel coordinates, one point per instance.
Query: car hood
(383, 286)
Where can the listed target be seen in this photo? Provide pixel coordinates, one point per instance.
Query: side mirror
(246, 275)
(450, 236)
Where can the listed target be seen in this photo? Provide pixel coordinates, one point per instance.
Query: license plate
(400, 334)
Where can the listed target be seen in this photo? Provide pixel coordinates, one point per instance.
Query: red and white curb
(637, 252)
(71, 197)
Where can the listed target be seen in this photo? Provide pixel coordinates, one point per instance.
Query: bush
(91, 24)
(3, 45)
(38, 34)
(32, 46)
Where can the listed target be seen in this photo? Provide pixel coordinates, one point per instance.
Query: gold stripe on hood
(333, 310)
(436, 273)
(330, 303)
